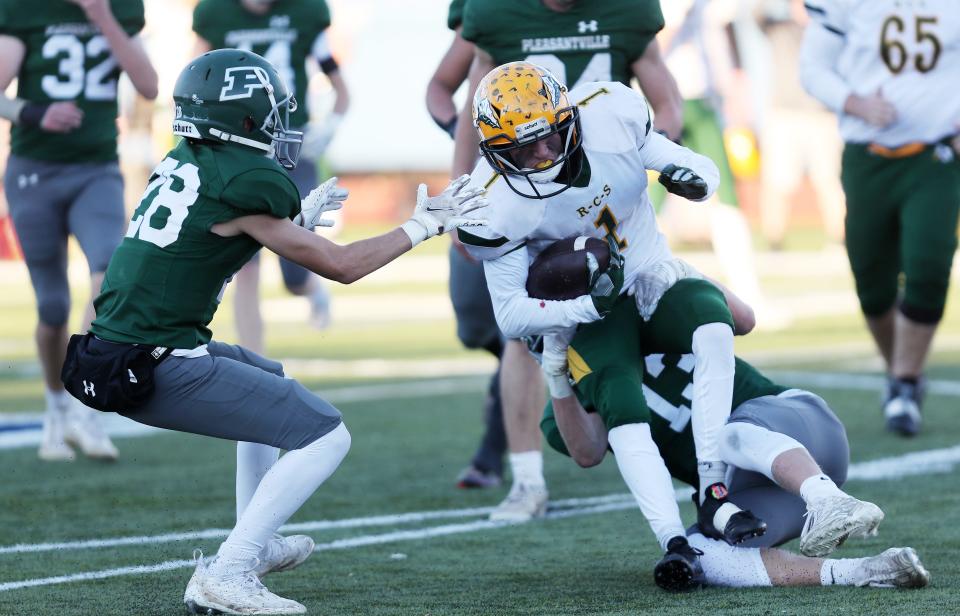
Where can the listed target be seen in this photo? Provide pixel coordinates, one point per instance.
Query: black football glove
(684, 182)
(679, 569)
(605, 286)
(741, 526)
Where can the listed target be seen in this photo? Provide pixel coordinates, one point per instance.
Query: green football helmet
(236, 96)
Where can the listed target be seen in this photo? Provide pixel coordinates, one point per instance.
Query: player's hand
(446, 211)
(328, 197)
(553, 363)
(318, 135)
(684, 182)
(95, 10)
(605, 286)
(872, 109)
(654, 281)
(61, 117)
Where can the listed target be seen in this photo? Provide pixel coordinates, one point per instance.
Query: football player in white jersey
(559, 165)
(889, 69)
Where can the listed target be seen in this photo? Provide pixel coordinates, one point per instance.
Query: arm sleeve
(658, 152)
(517, 313)
(261, 191)
(203, 23)
(818, 55)
(455, 14)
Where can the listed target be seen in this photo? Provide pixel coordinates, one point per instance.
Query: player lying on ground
(787, 454)
(559, 165)
(215, 199)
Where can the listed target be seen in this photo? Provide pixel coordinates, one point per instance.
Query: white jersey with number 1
(619, 146)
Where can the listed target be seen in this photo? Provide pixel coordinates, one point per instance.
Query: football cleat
(473, 477)
(902, 407)
(740, 526)
(679, 570)
(53, 448)
(284, 553)
(233, 592)
(894, 568)
(830, 521)
(82, 430)
(522, 504)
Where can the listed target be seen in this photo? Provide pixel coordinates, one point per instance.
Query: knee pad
(53, 308)
(925, 296)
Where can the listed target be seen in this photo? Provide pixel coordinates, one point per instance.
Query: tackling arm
(465, 149)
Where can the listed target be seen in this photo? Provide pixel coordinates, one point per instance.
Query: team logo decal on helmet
(241, 81)
(518, 104)
(237, 97)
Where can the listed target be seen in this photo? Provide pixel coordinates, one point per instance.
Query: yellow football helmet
(517, 104)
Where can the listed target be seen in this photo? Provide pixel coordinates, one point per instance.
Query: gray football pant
(49, 202)
(806, 418)
(235, 394)
(477, 329)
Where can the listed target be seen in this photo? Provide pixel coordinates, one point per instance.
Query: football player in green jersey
(580, 42)
(62, 176)
(217, 198)
(291, 34)
(787, 453)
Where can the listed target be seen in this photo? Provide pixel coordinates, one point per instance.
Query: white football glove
(654, 281)
(436, 215)
(327, 197)
(318, 135)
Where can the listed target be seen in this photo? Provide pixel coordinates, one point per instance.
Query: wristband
(415, 231)
(32, 114)
(559, 386)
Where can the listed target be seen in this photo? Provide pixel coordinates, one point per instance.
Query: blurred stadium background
(392, 336)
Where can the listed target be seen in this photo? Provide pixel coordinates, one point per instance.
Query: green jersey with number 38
(593, 41)
(285, 35)
(165, 280)
(67, 59)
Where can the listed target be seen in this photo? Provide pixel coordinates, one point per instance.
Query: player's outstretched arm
(350, 262)
(451, 72)
(661, 90)
(128, 50)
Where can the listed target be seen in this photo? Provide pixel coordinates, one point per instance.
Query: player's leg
(38, 210)
(477, 329)
(217, 395)
(791, 455)
(693, 317)
(605, 362)
(928, 242)
(872, 232)
(739, 567)
(246, 305)
(97, 218)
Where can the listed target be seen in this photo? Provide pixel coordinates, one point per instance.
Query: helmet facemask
(285, 142)
(499, 152)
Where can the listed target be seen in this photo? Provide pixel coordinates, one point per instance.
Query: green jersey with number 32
(593, 41)
(165, 280)
(285, 35)
(68, 59)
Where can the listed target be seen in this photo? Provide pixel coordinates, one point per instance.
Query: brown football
(560, 271)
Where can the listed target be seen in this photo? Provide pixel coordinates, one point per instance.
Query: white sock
(840, 571)
(726, 565)
(753, 448)
(253, 462)
(57, 401)
(527, 468)
(712, 391)
(285, 487)
(817, 487)
(646, 474)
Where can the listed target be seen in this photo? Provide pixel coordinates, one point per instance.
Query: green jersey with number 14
(285, 35)
(67, 59)
(165, 280)
(593, 41)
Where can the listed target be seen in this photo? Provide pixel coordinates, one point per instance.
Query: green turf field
(405, 540)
